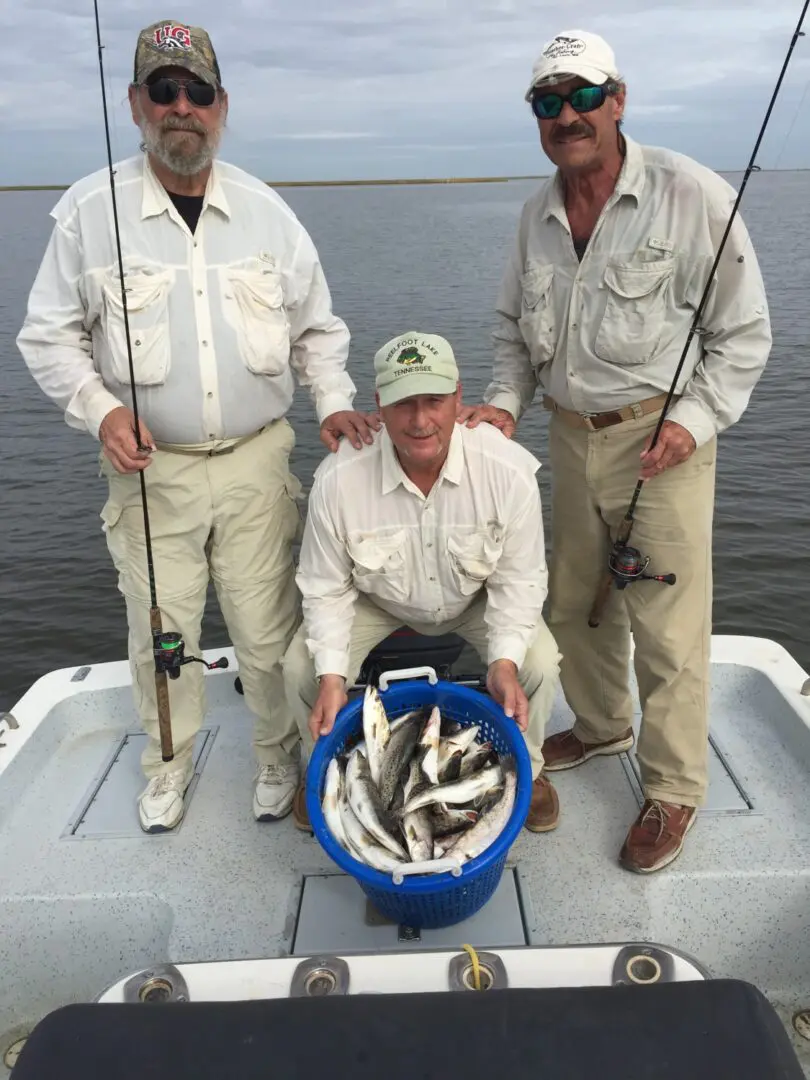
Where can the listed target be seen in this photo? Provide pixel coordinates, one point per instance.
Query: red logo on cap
(172, 36)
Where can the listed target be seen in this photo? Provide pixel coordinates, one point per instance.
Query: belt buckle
(587, 419)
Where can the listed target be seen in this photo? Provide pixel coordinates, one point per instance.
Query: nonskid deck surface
(86, 898)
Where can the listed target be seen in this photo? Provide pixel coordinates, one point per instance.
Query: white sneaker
(160, 805)
(274, 792)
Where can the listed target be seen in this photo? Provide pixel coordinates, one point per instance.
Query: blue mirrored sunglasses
(582, 100)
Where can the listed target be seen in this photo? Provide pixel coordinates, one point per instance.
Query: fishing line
(626, 564)
(167, 647)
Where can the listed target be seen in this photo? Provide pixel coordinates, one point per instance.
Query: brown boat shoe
(299, 808)
(565, 751)
(657, 836)
(544, 810)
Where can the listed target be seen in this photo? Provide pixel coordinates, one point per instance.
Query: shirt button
(203, 342)
(573, 326)
(210, 393)
(199, 292)
(137, 342)
(428, 545)
(432, 579)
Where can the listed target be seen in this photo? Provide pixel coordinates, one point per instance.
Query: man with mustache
(610, 262)
(227, 306)
(434, 527)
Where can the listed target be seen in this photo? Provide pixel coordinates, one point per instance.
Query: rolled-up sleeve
(736, 335)
(325, 582)
(514, 381)
(517, 590)
(55, 340)
(320, 339)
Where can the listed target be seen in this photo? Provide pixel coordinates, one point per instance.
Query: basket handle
(434, 866)
(407, 673)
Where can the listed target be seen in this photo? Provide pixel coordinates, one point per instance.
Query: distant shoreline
(325, 183)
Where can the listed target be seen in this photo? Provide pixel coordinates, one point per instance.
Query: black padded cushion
(677, 1031)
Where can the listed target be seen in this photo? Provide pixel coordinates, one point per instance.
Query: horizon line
(381, 182)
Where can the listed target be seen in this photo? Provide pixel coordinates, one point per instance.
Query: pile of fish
(416, 789)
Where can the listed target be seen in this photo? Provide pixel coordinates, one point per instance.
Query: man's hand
(117, 435)
(503, 685)
(331, 699)
(356, 426)
(473, 415)
(675, 444)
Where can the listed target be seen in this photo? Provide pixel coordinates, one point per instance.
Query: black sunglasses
(582, 100)
(165, 91)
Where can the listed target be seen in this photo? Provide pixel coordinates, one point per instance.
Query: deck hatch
(335, 917)
(108, 810)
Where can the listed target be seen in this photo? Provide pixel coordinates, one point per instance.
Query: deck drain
(484, 974)
(320, 983)
(643, 969)
(12, 1054)
(156, 990)
(801, 1022)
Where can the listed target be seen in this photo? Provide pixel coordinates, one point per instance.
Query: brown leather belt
(597, 421)
(208, 450)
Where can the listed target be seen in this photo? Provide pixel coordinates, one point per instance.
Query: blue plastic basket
(427, 901)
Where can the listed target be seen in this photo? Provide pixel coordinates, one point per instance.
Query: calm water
(398, 259)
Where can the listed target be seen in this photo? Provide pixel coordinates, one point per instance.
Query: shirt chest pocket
(147, 304)
(474, 557)
(536, 318)
(379, 564)
(635, 312)
(253, 304)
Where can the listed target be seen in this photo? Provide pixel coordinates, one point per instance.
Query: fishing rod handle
(600, 600)
(162, 694)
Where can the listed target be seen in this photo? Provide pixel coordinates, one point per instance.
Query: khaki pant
(538, 676)
(593, 478)
(232, 516)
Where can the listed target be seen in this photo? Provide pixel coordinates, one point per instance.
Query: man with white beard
(227, 305)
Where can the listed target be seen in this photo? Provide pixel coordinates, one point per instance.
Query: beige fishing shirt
(424, 559)
(222, 322)
(609, 330)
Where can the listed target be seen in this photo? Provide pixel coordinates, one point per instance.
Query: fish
(331, 802)
(414, 714)
(451, 751)
(445, 820)
(364, 799)
(429, 743)
(475, 758)
(490, 825)
(462, 791)
(395, 759)
(417, 825)
(376, 730)
(361, 844)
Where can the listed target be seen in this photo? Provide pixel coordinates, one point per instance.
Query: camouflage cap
(172, 44)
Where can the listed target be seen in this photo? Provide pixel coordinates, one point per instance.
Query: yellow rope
(475, 966)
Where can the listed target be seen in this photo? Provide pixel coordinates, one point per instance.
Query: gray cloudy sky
(403, 88)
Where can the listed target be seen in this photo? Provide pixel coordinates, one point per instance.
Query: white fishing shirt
(609, 330)
(222, 322)
(424, 559)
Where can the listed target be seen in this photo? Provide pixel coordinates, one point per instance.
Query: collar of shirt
(393, 474)
(630, 181)
(156, 200)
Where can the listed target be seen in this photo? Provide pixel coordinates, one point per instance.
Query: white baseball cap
(571, 54)
(415, 363)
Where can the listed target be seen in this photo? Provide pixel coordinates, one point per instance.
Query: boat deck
(86, 898)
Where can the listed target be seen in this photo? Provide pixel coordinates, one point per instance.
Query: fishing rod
(168, 648)
(626, 564)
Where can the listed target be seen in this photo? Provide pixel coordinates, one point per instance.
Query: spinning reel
(627, 564)
(168, 648)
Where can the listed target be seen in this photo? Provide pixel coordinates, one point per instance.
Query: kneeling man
(434, 526)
